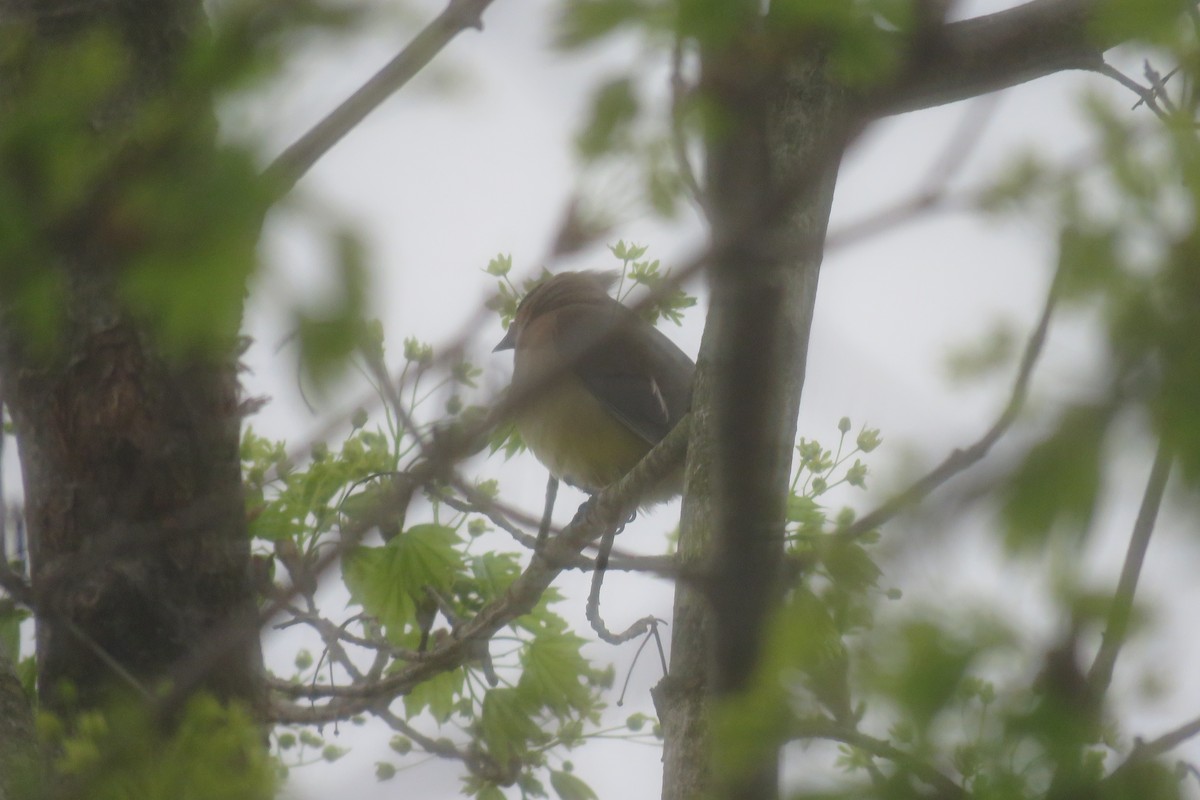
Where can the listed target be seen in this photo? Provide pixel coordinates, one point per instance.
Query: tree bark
(960, 60)
(771, 169)
(129, 451)
(19, 767)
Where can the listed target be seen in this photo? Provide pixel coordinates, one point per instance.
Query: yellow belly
(576, 438)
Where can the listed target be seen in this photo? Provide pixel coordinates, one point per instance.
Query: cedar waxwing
(604, 385)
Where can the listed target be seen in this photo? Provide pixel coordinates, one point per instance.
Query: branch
(828, 729)
(1147, 95)
(327, 629)
(606, 511)
(964, 59)
(502, 516)
(295, 161)
(480, 764)
(1100, 675)
(1145, 751)
(960, 459)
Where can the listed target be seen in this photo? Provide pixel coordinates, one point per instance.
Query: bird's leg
(592, 610)
(547, 513)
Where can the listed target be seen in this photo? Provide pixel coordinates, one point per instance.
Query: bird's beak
(509, 341)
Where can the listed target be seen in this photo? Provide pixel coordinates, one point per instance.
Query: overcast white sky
(439, 181)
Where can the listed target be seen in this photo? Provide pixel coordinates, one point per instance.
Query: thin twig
(828, 729)
(1100, 675)
(961, 459)
(477, 762)
(1144, 751)
(1158, 84)
(326, 627)
(962, 143)
(547, 514)
(502, 516)
(1145, 95)
(296, 160)
(679, 96)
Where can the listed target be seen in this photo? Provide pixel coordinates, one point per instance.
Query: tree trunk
(19, 768)
(129, 450)
(770, 177)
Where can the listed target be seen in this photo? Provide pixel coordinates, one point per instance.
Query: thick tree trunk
(771, 172)
(19, 768)
(129, 453)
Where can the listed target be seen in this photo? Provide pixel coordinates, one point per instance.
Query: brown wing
(635, 371)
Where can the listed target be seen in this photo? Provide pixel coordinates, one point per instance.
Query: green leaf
(1121, 20)
(214, 751)
(332, 333)
(507, 724)
(10, 633)
(975, 359)
(849, 565)
(806, 512)
(582, 22)
(387, 580)
(500, 265)
(495, 572)
(438, 694)
(490, 792)
(569, 787)
(803, 649)
(614, 107)
(331, 753)
(554, 670)
(197, 220)
(928, 668)
(1087, 262)
(1058, 480)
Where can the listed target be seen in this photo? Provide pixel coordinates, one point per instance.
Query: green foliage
(440, 696)
(568, 787)
(122, 752)
(329, 336)
(583, 22)
(804, 669)
(1058, 481)
(614, 107)
(168, 216)
(306, 503)
(197, 221)
(648, 274)
(389, 581)
(974, 360)
(415, 573)
(555, 673)
(11, 617)
(148, 190)
(865, 40)
(1153, 20)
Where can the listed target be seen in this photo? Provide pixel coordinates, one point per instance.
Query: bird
(597, 385)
